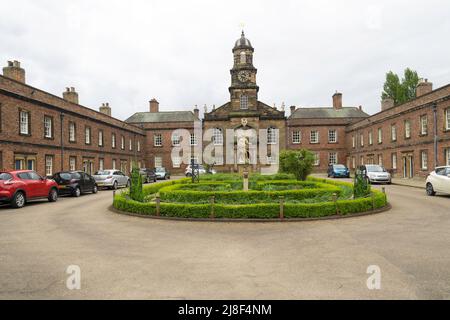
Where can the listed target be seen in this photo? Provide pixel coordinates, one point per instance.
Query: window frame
(217, 136)
(393, 132)
(330, 135)
(86, 129)
(28, 113)
(101, 142)
(122, 143)
(74, 140)
(335, 155)
(424, 160)
(380, 135)
(447, 119)
(70, 163)
(317, 140)
(297, 133)
(113, 141)
(272, 136)
(421, 124)
(52, 127)
(407, 129)
(394, 163)
(52, 158)
(157, 140)
(243, 102)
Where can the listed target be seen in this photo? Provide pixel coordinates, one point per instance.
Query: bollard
(281, 208)
(114, 194)
(158, 206)
(383, 189)
(213, 200)
(335, 203)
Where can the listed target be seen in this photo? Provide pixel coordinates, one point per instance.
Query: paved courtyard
(128, 257)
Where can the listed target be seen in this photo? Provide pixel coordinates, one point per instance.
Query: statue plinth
(245, 175)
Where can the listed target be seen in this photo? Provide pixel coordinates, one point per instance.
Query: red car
(18, 187)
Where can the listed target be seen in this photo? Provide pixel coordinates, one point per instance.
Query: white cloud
(126, 53)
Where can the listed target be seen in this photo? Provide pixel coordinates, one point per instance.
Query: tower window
(272, 136)
(244, 102)
(243, 57)
(217, 137)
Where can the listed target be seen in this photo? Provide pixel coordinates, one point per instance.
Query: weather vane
(242, 25)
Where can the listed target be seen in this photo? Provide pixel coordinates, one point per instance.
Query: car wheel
(168, 177)
(154, 180)
(77, 192)
(53, 195)
(430, 190)
(114, 185)
(188, 174)
(95, 189)
(19, 200)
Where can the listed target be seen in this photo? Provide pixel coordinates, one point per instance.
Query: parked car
(111, 179)
(162, 173)
(75, 183)
(375, 173)
(19, 187)
(338, 171)
(201, 170)
(438, 181)
(148, 175)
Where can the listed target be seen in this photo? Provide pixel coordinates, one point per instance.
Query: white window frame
(244, 102)
(332, 136)
(424, 124)
(332, 158)
(100, 138)
(157, 140)
(139, 146)
(424, 160)
(316, 159)
(447, 157)
(24, 122)
(314, 137)
(72, 132)
(272, 135)
(217, 137)
(114, 163)
(447, 119)
(48, 165)
(370, 137)
(176, 140)
(176, 161)
(158, 161)
(122, 143)
(193, 139)
(72, 163)
(394, 161)
(407, 129)
(393, 132)
(87, 135)
(380, 160)
(353, 141)
(296, 137)
(353, 162)
(361, 139)
(113, 140)
(380, 135)
(361, 160)
(130, 144)
(101, 164)
(48, 125)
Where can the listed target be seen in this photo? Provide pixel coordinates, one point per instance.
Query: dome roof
(243, 42)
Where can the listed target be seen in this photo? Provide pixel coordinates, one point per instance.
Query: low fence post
(114, 194)
(373, 201)
(213, 200)
(281, 208)
(158, 205)
(335, 197)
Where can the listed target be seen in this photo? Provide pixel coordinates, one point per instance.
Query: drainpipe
(435, 135)
(62, 141)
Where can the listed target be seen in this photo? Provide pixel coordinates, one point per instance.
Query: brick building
(47, 133)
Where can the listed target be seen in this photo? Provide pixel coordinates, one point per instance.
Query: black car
(75, 183)
(148, 175)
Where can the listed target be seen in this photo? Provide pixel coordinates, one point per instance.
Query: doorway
(408, 166)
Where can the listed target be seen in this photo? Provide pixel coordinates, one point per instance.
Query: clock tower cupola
(243, 90)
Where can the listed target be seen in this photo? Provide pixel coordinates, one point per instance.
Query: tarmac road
(124, 257)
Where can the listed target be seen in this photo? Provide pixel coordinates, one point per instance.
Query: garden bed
(269, 197)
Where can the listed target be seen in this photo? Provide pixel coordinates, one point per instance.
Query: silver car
(112, 179)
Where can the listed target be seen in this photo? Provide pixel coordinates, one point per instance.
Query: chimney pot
(71, 95)
(14, 71)
(154, 106)
(292, 109)
(423, 87)
(105, 109)
(387, 103)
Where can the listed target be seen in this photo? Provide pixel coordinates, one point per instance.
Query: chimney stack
(154, 106)
(196, 112)
(70, 95)
(292, 110)
(14, 71)
(105, 109)
(387, 103)
(337, 100)
(423, 87)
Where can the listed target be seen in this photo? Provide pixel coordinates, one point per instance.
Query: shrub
(136, 192)
(361, 187)
(299, 163)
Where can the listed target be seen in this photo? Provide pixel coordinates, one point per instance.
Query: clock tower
(243, 90)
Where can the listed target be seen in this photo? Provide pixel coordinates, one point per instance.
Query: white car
(111, 179)
(201, 170)
(376, 173)
(438, 181)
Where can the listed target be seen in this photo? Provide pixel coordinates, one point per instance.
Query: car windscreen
(339, 166)
(375, 169)
(160, 170)
(5, 176)
(65, 176)
(102, 173)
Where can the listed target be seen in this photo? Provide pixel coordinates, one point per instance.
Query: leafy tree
(401, 91)
(136, 192)
(299, 163)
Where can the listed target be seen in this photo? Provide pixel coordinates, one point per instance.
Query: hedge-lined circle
(313, 198)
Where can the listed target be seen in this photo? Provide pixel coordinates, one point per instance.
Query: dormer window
(244, 102)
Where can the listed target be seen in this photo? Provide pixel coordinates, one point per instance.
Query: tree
(299, 163)
(400, 91)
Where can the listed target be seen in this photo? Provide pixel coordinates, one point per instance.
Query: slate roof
(166, 116)
(323, 112)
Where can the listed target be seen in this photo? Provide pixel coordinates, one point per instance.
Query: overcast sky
(127, 52)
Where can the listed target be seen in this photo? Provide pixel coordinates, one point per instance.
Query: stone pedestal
(245, 175)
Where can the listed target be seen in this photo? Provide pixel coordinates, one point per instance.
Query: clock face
(244, 76)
